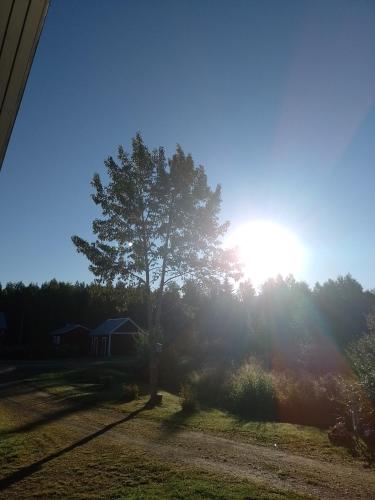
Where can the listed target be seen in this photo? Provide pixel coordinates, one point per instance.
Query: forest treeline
(286, 324)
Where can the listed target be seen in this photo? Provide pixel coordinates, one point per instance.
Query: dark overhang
(21, 22)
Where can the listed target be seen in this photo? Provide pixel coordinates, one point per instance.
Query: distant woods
(286, 325)
(33, 311)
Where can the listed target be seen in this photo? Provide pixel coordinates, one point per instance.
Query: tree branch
(134, 275)
(176, 276)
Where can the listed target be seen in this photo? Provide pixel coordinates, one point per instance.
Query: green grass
(84, 385)
(105, 469)
(100, 473)
(298, 439)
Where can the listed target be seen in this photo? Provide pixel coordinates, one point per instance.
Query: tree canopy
(160, 221)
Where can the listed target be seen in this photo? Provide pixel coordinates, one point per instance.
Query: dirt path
(204, 451)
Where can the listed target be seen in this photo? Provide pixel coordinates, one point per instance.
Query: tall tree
(160, 225)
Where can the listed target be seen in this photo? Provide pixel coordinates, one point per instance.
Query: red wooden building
(71, 339)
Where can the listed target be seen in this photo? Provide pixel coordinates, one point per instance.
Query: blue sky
(275, 98)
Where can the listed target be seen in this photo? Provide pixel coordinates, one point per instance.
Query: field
(68, 433)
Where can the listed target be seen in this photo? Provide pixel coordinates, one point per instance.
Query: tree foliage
(160, 222)
(32, 311)
(284, 322)
(362, 354)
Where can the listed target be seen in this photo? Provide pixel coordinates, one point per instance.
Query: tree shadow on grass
(28, 470)
(83, 404)
(176, 422)
(26, 386)
(63, 406)
(17, 388)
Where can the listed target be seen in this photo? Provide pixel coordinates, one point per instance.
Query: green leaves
(160, 221)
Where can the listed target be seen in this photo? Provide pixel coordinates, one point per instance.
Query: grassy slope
(97, 469)
(304, 440)
(103, 470)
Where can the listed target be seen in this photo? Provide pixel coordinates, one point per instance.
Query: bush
(354, 409)
(362, 356)
(339, 435)
(188, 399)
(130, 392)
(209, 386)
(300, 398)
(305, 399)
(251, 393)
(355, 425)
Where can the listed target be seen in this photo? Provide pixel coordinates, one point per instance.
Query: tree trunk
(156, 398)
(154, 362)
(154, 375)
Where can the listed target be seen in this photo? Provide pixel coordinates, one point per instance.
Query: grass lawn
(85, 383)
(302, 440)
(103, 469)
(100, 471)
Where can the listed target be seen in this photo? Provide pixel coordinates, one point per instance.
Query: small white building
(115, 337)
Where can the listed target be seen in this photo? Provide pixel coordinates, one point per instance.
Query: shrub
(305, 399)
(355, 409)
(340, 435)
(210, 386)
(130, 392)
(368, 436)
(355, 425)
(188, 399)
(362, 356)
(251, 392)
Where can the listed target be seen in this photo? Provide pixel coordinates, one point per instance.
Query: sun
(267, 249)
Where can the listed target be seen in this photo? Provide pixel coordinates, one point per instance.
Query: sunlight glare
(267, 249)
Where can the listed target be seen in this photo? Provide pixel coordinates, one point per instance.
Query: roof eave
(21, 23)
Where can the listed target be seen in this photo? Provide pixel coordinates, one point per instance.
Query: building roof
(3, 322)
(21, 23)
(68, 328)
(113, 325)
